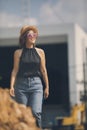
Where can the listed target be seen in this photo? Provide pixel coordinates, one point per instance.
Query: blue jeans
(29, 91)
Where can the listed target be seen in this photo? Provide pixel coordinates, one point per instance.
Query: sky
(15, 13)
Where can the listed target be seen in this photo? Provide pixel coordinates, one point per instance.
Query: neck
(29, 46)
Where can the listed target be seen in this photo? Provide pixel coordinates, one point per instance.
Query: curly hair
(23, 34)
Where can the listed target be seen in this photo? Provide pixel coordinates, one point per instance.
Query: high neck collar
(29, 48)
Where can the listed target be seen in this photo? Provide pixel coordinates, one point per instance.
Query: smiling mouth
(32, 39)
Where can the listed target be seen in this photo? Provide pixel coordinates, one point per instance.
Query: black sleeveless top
(29, 65)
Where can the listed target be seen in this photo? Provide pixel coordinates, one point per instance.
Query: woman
(29, 67)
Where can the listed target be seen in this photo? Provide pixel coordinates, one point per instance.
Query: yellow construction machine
(76, 118)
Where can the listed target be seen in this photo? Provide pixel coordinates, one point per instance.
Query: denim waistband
(31, 77)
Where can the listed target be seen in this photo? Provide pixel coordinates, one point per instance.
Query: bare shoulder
(18, 52)
(40, 51)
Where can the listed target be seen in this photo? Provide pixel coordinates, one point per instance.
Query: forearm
(13, 77)
(45, 78)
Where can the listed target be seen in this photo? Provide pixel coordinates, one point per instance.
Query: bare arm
(14, 72)
(44, 74)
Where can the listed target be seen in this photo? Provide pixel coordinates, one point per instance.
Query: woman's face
(31, 36)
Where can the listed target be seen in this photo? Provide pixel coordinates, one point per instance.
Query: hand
(12, 92)
(46, 93)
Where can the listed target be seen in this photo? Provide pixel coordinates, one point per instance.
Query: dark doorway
(57, 66)
(6, 64)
